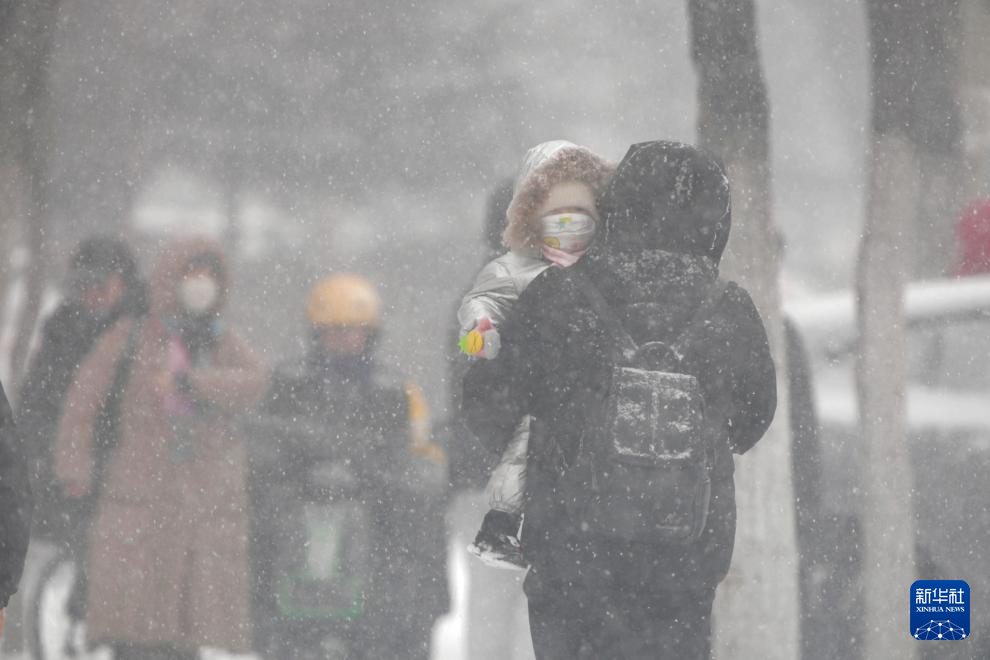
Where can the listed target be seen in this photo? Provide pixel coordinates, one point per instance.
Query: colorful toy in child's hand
(482, 341)
(472, 343)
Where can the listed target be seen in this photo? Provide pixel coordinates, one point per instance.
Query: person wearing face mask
(598, 354)
(168, 551)
(379, 523)
(551, 222)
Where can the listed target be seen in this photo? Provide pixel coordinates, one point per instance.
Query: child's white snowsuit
(496, 289)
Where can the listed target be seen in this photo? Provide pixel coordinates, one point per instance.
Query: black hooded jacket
(666, 217)
(15, 505)
(66, 339)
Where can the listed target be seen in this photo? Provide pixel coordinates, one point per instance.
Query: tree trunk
(13, 205)
(26, 34)
(886, 517)
(35, 228)
(936, 127)
(897, 51)
(757, 609)
(974, 73)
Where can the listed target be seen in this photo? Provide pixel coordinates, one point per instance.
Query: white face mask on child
(570, 232)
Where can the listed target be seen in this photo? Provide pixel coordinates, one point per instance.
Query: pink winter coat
(168, 557)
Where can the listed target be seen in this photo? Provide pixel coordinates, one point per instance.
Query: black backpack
(642, 471)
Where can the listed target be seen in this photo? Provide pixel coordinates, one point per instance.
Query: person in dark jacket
(103, 285)
(666, 216)
(15, 507)
(339, 414)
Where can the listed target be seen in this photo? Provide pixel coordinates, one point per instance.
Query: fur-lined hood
(546, 165)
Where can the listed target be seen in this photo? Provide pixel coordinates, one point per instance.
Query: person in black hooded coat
(666, 216)
(104, 285)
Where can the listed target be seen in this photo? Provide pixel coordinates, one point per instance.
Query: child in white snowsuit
(551, 221)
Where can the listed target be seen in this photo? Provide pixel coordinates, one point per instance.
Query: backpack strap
(108, 431)
(111, 404)
(626, 348)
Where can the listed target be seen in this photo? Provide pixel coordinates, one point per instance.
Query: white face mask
(199, 294)
(570, 232)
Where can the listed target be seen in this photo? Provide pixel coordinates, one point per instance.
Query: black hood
(667, 196)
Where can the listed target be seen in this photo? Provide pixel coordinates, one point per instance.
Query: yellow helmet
(344, 301)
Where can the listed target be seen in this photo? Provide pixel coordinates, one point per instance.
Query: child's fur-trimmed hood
(546, 165)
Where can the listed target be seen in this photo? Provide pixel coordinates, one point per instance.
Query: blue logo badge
(940, 610)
